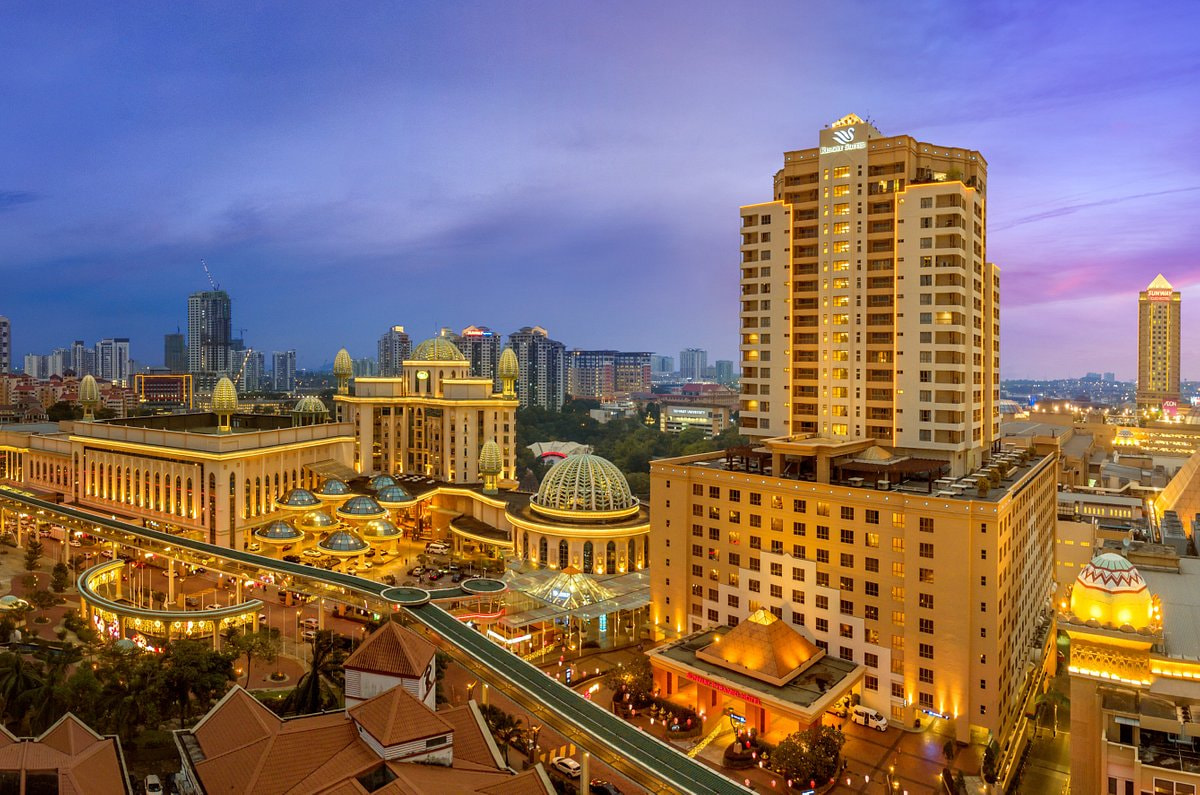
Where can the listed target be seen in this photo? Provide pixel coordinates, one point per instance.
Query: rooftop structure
(68, 758)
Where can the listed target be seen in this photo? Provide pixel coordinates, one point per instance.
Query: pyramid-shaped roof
(763, 647)
(395, 717)
(392, 650)
(1159, 283)
(570, 589)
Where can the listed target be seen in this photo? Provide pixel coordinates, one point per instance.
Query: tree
(504, 727)
(192, 674)
(264, 644)
(17, 676)
(59, 577)
(988, 768)
(313, 691)
(62, 410)
(33, 552)
(810, 755)
(42, 599)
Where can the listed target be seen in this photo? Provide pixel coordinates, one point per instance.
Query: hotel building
(868, 307)
(875, 511)
(1158, 347)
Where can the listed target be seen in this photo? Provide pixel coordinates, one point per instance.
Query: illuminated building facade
(1135, 680)
(833, 343)
(394, 347)
(938, 593)
(432, 419)
(678, 417)
(542, 364)
(1158, 347)
(210, 332)
(481, 346)
(5, 346)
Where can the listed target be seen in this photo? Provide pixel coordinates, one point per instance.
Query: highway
(660, 766)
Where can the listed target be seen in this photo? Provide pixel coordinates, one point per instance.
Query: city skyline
(351, 155)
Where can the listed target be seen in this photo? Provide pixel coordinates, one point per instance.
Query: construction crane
(208, 273)
(237, 379)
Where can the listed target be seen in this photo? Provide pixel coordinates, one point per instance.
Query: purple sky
(574, 165)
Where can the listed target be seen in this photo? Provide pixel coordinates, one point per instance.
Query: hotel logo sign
(843, 141)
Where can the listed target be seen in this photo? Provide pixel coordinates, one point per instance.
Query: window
(871, 564)
(798, 618)
(897, 519)
(735, 559)
(848, 513)
(926, 651)
(799, 529)
(755, 542)
(733, 600)
(797, 574)
(898, 569)
(822, 625)
(714, 492)
(755, 498)
(847, 608)
(755, 564)
(847, 536)
(822, 556)
(983, 684)
(926, 576)
(846, 653)
(735, 495)
(698, 531)
(799, 506)
(898, 617)
(897, 690)
(926, 626)
(926, 550)
(871, 682)
(822, 602)
(873, 540)
(926, 601)
(823, 579)
(897, 593)
(841, 209)
(925, 675)
(822, 509)
(776, 569)
(872, 516)
(847, 560)
(754, 586)
(777, 591)
(822, 533)
(926, 524)
(847, 584)
(898, 545)
(871, 588)
(871, 613)
(925, 700)
(798, 596)
(697, 490)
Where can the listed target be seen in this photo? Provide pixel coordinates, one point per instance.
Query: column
(170, 580)
(585, 779)
(366, 437)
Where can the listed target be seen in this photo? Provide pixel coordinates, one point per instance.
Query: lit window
(841, 209)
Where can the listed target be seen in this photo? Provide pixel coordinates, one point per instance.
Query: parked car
(308, 634)
(437, 575)
(310, 623)
(566, 765)
(292, 558)
(262, 618)
(213, 606)
(458, 576)
(311, 553)
(153, 785)
(75, 542)
(602, 787)
(416, 571)
(437, 548)
(865, 716)
(254, 546)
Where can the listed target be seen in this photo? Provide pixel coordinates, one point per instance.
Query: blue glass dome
(343, 542)
(360, 507)
(382, 482)
(278, 531)
(333, 488)
(392, 495)
(298, 498)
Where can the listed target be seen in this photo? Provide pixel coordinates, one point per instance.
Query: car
(566, 765)
(153, 785)
(311, 623)
(213, 606)
(865, 716)
(106, 553)
(453, 567)
(351, 570)
(437, 575)
(308, 634)
(839, 710)
(311, 553)
(367, 564)
(383, 553)
(292, 558)
(254, 546)
(370, 553)
(437, 548)
(192, 601)
(416, 571)
(457, 576)
(75, 542)
(602, 787)
(262, 618)
(390, 579)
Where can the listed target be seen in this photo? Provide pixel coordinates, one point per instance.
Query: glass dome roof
(278, 531)
(361, 506)
(224, 397)
(381, 528)
(298, 498)
(583, 484)
(392, 495)
(317, 520)
(437, 349)
(343, 542)
(333, 488)
(491, 460)
(382, 481)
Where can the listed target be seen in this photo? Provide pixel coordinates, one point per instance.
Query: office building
(112, 360)
(886, 324)
(394, 348)
(175, 353)
(542, 363)
(723, 371)
(631, 373)
(590, 375)
(481, 346)
(693, 362)
(673, 417)
(5, 346)
(283, 371)
(1158, 348)
(365, 367)
(83, 359)
(661, 365)
(210, 332)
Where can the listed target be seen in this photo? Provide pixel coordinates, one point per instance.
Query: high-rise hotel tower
(1158, 347)
(868, 307)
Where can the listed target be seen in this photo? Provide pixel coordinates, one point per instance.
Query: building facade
(825, 324)
(432, 419)
(481, 346)
(175, 353)
(542, 362)
(112, 360)
(5, 346)
(938, 594)
(693, 364)
(1158, 347)
(394, 347)
(210, 332)
(283, 371)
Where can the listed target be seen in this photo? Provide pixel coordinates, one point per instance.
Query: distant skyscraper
(631, 372)
(724, 371)
(661, 365)
(365, 367)
(1110, 377)
(543, 368)
(83, 359)
(591, 374)
(175, 353)
(1158, 347)
(210, 332)
(692, 364)
(394, 347)
(253, 367)
(58, 362)
(35, 365)
(283, 371)
(482, 346)
(5, 345)
(112, 360)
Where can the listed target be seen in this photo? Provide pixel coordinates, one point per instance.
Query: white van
(865, 716)
(437, 548)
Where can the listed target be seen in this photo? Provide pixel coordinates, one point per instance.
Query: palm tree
(504, 726)
(49, 700)
(313, 691)
(17, 676)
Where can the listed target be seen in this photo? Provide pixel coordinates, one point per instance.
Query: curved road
(621, 742)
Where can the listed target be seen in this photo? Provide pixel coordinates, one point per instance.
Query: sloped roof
(875, 453)
(1159, 283)
(85, 761)
(395, 717)
(763, 647)
(472, 742)
(394, 651)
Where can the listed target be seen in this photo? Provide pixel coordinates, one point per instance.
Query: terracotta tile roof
(472, 741)
(238, 720)
(85, 761)
(425, 779)
(395, 716)
(393, 650)
(532, 782)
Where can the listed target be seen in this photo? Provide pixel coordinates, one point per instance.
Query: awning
(332, 469)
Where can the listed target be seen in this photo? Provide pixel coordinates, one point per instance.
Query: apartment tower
(210, 332)
(1158, 347)
(869, 309)
(5, 346)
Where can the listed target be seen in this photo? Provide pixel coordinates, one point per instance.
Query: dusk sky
(344, 167)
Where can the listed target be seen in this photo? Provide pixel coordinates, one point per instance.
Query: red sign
(726, 689)
(1170, 407)
(1159, 295)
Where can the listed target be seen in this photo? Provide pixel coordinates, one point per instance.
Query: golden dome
(343, 365)
(491, 461)
(585, 484)
(89, 392)
(224, 398)
(437, 349)
(1110, 591)
(508, 366)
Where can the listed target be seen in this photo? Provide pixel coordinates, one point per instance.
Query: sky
(346, 167)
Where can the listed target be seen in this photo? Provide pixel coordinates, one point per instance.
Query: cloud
(12, 199)
(1068, 209)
